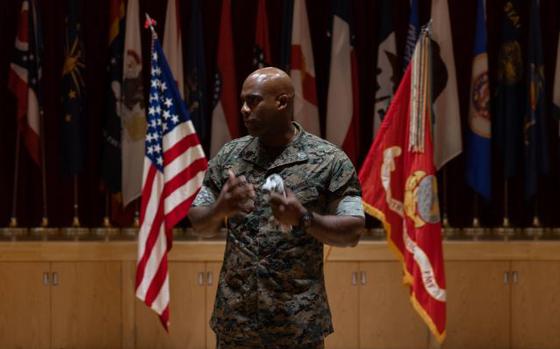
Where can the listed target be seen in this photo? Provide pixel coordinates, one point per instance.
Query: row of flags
(151, 148)
(125, 116)
(519, 111)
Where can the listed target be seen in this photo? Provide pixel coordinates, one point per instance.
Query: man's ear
(282, 101)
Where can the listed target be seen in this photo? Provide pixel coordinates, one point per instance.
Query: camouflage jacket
(271, 287)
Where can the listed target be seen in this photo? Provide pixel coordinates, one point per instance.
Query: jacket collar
(256, 153)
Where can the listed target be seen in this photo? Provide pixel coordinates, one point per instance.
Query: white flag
(303, 71)
(386, 64)
(133, 114)
(447, 127)
(342, 103)
(172, 43)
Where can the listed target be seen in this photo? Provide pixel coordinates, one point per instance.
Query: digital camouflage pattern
(271, 289)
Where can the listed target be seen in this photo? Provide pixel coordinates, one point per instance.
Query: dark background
(460, 199)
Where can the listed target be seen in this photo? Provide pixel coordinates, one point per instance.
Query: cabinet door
(86, 305)
(387, 319)
(212, 278)
(187, 312)
(535, 305)
(342, 290)
(478, 305)
(25, 306)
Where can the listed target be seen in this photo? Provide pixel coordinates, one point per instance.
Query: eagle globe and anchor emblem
(420, 199)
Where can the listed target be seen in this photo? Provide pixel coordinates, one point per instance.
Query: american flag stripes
(174, 167)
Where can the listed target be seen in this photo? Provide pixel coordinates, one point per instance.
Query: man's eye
(252, 101)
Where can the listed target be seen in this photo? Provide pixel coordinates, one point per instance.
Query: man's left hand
(287, 210)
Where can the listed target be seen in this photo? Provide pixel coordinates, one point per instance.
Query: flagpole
(505, 231)
(75, 231)
(45, 219)
(76, 219)
(44, 231)
(12, 231)
(106, 231)
(475, 231)
(13, 218)
(536, 230)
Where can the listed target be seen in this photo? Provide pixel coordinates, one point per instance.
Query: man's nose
(245, 109)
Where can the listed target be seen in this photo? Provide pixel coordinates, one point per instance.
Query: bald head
(272, 80)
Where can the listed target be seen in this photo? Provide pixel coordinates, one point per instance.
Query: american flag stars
(162, 115)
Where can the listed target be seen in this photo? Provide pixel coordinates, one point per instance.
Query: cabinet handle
(46, 279)
(514, 277)
(209, 278)
(354, 278)
(200, 279)
(506, 277)
(55, 279)
(363, 278)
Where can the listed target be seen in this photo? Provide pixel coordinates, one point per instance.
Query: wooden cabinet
(500, 295)
(60, 305)
(478, 305)
(25, 309)
(535, 304)
(86, 305)
(370, 307)
(192, 291)
(387, 319)
(343, 295)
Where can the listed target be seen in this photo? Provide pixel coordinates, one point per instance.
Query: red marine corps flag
(400, 188)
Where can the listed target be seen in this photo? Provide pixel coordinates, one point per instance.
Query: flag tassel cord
(13, 219)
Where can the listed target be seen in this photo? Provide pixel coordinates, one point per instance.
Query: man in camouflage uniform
(271, 291)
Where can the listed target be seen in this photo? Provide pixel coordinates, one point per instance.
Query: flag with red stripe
(262, 45)
(343, 96)
(302, 71)
(25, 77)
(225, 115)
(399, 187)
(174, 167)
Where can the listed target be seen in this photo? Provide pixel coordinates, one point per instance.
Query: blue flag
(196, 76)
(534, 136)
(479, 146)
(111, 154)
(73, 133)
(510, 91)
(412, 34)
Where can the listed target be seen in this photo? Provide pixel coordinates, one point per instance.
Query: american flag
(25, 76)
(174, 167)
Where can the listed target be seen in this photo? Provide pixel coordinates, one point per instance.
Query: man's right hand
(236, 198)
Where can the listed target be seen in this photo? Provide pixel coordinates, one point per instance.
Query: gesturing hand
(287, 210)
(236, 196)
